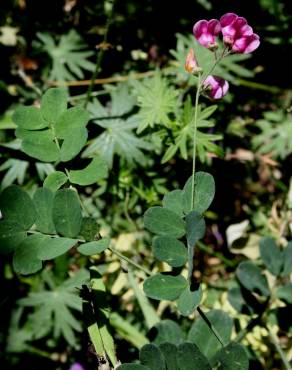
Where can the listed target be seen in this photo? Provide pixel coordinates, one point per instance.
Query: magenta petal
(227, 19)
(240, 21)
(219, 87)
(254, 43)
(246, 30)
(76, 366)
(214, 27)
(240, 45)
(200, 27)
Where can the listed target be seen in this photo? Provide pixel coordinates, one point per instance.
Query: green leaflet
(67, 215)
(162, 286)
(95, 171)
(163, 221)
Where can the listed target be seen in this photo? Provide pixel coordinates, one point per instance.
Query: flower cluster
(238, 37)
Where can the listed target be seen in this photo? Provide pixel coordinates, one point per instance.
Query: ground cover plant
(146, 206)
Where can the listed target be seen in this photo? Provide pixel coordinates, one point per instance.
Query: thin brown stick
(101, 81)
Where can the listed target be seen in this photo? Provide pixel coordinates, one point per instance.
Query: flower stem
(195, 140)
(191, 247)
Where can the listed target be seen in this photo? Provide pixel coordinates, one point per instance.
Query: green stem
(128, 260)
(210, 326)
(195, 139)
(275, 342)
(191, 247)
(100, 54)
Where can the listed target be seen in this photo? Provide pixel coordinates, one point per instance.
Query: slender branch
(102, 81)
(131, 262)
(275, 342)
(100, 54)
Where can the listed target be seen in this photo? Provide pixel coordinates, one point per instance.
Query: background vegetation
(139, 124)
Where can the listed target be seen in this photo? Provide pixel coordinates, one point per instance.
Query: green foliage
(187, 356)
(287, 257)
(275, 136)
(55, 180)
(94, 247)
(169, 249)
(163, 221)
(43, 200)
(16, 171)
(252, 279)
(57, 125)
(183, 132)
(53, 307)
(188, 301)
(271, 255)
(117, 137)
(168, 331)
(162, 286)
(58, 220)
(231, 357)
(66, 213)
(285, 292)
(157, 101)
(203, 195)
(69, 59)
(94, 172)
(10, 200)
(202, 336)
(195, 227)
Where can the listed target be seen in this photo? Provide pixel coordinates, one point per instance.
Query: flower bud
(191, 64)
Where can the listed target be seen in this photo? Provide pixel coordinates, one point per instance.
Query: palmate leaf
(157, 100)
(118, 137)
(57, 304)
(275, 136)
(228, 68)
(183, 132)
(69, 59)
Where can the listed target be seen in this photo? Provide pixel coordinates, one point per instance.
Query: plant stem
(210, 326)
(191, 247)
(131, 262)
(195, 140)
(275, 342)
(100, 54)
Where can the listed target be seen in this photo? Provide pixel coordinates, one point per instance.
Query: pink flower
(76, 366)
(216, 86)
(191, 64)
(206, 31)
(237, 34)
(246, 44)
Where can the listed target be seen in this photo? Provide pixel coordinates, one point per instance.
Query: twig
(101, 81)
